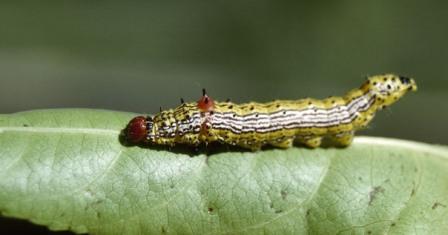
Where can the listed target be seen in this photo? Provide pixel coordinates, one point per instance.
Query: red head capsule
(206, 104)
(136, 130)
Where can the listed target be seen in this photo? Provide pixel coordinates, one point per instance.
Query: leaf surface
(66, 169)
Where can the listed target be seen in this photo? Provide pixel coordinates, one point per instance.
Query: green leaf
(66, 169)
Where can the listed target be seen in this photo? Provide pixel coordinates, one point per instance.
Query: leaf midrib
(68, 130)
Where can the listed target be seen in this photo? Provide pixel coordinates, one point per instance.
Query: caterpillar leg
(284, 144)
(311, 142)
(343, 139)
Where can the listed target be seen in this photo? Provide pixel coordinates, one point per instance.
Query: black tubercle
(405, 80)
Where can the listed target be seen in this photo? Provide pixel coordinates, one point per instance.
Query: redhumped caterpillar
(278, 123)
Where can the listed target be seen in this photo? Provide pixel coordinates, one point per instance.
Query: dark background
(139, 55)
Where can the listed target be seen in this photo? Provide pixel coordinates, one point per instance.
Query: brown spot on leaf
(284, 193)
(373, 194)
(308, 212)
(278, 211)
(437, 204)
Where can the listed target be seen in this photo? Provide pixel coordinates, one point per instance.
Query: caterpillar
(279, 123)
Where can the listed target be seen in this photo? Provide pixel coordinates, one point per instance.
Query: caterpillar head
(389, 88)
(138, 128)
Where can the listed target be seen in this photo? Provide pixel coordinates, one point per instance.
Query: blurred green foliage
(139, 55)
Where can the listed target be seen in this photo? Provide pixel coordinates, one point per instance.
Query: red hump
(206, 104)
(136, 130)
